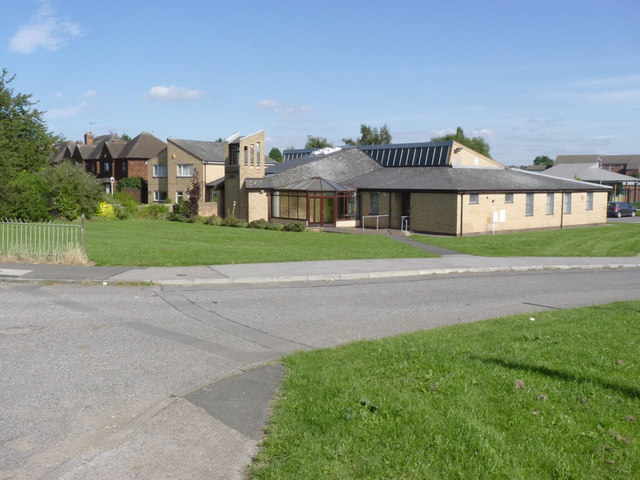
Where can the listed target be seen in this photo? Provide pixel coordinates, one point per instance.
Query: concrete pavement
(330, 270)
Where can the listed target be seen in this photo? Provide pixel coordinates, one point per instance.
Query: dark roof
(631, 161)
(589, 172)
(111, 137)
(62, 150)
(294, 153)
(89, 152)
(218, 183)
(317, 184)
(207, 152)
(115, 148)
(144, 145)
(338, 167)
(465, 180)
(425, 154)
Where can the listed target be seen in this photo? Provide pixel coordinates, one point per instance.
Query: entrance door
(321, 211)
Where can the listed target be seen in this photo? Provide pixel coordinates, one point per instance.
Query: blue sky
(532, 78)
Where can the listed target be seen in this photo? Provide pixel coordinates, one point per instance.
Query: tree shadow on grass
(626, 390)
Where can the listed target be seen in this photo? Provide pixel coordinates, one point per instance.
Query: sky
(530, 77)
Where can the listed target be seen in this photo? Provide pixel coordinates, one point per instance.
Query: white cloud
(44, 30)
(64, 113)
(161, 92)
(442, 133)
(483, 132)
(279, 107)
(89, 94)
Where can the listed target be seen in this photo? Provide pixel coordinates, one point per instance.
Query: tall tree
(125, 137)
(370, 136)
(25, 143)
(476, 143)
(543, 160)
(317, 142)
(275, 154)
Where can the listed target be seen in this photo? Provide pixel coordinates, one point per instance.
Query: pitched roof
(631, 161)
(111, 137)
(144, 145)
(89, 152)
(338, 167)
(207, 152)
(115, 148)
(466, 180)
(589, 172)
(61, 149)
(317, 184)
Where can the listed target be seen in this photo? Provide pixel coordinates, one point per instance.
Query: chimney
(88, 138)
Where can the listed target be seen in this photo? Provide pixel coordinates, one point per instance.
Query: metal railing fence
(40, 239)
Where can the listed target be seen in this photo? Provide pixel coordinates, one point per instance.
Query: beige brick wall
(478, 218)
(384, 204)
(258, 206)
(235, 175)
(466, 157)
(177, 156)
(155, 183)
(434, 213)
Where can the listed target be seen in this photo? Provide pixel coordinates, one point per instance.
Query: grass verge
(161, 243)
(614, 240)
(557, 397)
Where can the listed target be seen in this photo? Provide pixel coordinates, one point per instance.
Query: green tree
(275, 154)
(125, 137)
(476, 143)
(25, 143)
(71, 190)
(543, 160)
(317, 142)
(370, 136)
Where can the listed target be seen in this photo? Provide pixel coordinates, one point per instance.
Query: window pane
(302, 208)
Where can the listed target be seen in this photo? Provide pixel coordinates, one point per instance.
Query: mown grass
(162, 243)
(557, 397)
(614, 240)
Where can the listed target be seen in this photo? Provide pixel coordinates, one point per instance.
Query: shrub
(232, 221)
(274, 226)
(212, 220)
(180, 213)
(130, 182)
(105, 210)
(26, 196)
(262, 223)
(154, 211)
(125, 205)
(72, 191)
(294, 227)
(193, 195)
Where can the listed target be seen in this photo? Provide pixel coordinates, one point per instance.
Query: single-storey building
(623, 187)
(433, 187)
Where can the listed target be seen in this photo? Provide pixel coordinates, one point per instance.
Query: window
(258, 154)
(567, 203)
(550, 205)
(124, 167)
(246, 156)
(589, 200)
(252, 156)
(105, 166)
(508, 198)
(473, 199)
(375, 203)
(611, 168)
(179, 196)
(159, 196)
(159, 170)
(185, 170)
(213, 195)
(529, 208)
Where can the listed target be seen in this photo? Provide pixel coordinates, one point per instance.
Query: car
(620, 209)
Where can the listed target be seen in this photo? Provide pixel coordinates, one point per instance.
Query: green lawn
(556, 397)
(163, 243)
(613, 240)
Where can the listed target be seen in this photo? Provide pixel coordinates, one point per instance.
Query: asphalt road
(114, 382)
